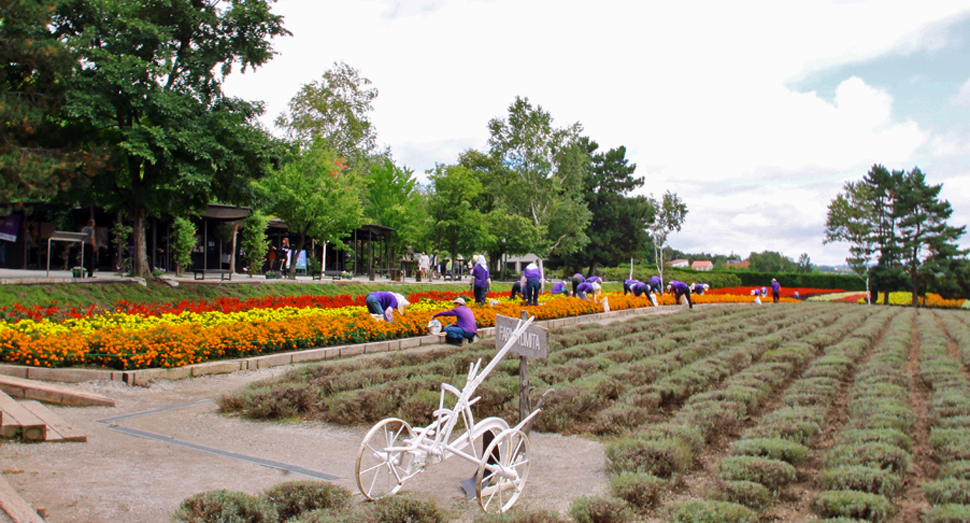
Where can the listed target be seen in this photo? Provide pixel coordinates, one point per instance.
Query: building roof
(740, 265)
(675, 262)
(702, 263)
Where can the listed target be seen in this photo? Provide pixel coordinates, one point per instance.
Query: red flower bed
(786, 292)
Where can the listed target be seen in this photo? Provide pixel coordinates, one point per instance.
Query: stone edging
(144, 376)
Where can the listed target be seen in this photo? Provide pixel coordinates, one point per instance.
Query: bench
(334, 275)
(224, 274)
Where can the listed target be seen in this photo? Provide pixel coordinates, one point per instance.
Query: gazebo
(370, 234)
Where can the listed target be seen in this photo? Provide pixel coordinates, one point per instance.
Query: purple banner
(10, 227)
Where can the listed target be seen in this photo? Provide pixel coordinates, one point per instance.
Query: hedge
(720, 278)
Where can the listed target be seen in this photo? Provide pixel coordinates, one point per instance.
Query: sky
(754, 113)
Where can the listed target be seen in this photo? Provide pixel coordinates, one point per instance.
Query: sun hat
(402, 303)
(459, 301)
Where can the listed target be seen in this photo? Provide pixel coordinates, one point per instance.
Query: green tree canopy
(335, 109)
(452, 210)
(546, 166)
(149, 76)
(669, 217)
(393, 200)
(317, 195)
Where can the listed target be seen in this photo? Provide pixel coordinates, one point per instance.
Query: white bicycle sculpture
(393, 452)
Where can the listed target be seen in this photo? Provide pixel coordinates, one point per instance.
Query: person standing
(384, 304)
(533, 283)
(680, 289)
(465, 326)
(482, 279)
(284, 257)
(775, 290)
(90, 248)
(424, 265)
(577, 279)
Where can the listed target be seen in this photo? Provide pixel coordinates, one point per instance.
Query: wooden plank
(15, 506)
(16, 419)
(57, 428)
(51, 393)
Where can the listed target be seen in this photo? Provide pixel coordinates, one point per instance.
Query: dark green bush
(748, 493)
(296, 497)
(638, 489)
(224, 506)
(771, 473)
(588, 509)
(710, 511)
(949, 513)
(775, 448)
(861, 478)
(948, 490)
(852, 504)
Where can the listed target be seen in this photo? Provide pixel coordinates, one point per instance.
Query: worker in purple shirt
(679, 289)
(465, 326)
(775, 290)
(583, 290)
(533, 283)
(482, 277)
(595, 279)
(380, 302)
(629, 284)
(656, 285)
(517, 290)
(577, 279)
(699, 288)
(560, 288)
(640, 289)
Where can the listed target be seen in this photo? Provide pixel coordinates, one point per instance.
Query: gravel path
(120, 477)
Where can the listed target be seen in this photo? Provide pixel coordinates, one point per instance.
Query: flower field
(820, 411)
(144, 335)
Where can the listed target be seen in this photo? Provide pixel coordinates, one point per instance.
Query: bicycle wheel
(384, 463)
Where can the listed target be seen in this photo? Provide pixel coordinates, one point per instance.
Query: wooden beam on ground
(15, 506)
(50, 393)
(57, 428)
(17, 419)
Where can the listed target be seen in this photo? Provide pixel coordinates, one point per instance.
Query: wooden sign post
(533, 343)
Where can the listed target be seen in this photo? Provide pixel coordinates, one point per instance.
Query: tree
(183, 241)
(317, 195)
(546, 169)
(148, 76)
(771, 261)
(334, 109)
(452, 211)
(40, 153)
(853, 218)
(254, 241)
(670, 214)
(617, 228)
(923, 231)
(393, 200)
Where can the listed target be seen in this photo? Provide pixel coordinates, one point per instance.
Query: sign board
(10, 228)
(533, 343)
(301, 261)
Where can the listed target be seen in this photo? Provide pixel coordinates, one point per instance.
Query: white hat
(596, 286)
(459, 301)
(401, 302)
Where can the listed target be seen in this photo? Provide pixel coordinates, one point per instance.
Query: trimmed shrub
(406, 507)
(296, 497)
(949, 513)
(774, 448)
(951, 444)
(326, 516)
(956, 469)
(638, 489)
(663, 457)
(588, 509)
(224, 506)
(948, 490)
(748, 493)
(852, 504)
(878, 455)
(771, 473)
(888, 436)
(522, 515)
(709, 511)
(861, 478)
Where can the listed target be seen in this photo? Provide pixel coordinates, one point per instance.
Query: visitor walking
(482, 278)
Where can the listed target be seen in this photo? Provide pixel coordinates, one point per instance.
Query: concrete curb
(144, 376)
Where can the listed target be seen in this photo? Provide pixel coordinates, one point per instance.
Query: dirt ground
(120, 477)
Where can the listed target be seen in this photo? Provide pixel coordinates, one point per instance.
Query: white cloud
(696, 90)
(963, 96)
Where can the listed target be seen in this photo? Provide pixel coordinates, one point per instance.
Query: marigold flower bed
(145, 335)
